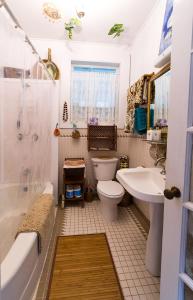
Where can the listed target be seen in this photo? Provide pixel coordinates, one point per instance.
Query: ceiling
(100, 16)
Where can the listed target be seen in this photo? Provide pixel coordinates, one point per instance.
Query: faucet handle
(163, 171)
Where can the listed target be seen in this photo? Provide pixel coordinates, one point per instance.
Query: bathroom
(133, 188)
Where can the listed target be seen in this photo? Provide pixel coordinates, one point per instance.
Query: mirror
(158, 95)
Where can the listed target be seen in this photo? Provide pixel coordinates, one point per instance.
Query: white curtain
(94, 93)
(162, 86)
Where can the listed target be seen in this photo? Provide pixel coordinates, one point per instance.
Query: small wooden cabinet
(102, 138)
(73, 177)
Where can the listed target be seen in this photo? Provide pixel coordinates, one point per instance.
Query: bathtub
(21, 266)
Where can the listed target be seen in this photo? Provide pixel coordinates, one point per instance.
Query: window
(94, 93)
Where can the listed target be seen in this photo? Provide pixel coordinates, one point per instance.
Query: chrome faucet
(163, 171)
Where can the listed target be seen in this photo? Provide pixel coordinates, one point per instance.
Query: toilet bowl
(110, 192)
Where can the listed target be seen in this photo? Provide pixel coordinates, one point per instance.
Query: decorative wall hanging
(166, 35)
(116, 30)
(57, 131)
(51, 66)
(65, 112)
(75, 132)
(52, 12)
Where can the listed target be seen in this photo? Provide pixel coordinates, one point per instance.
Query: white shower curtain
(94, 93)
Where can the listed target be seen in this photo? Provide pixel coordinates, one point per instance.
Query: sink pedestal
(147, 184)
(154, 240)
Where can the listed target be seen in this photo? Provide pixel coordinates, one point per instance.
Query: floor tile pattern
(127, 240)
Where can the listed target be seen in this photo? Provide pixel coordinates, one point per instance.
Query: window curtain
(94, 93)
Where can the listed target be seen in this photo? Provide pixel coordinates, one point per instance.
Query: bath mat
(83, 269)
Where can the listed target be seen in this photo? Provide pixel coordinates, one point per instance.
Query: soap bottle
(150, 134)
(157, 134)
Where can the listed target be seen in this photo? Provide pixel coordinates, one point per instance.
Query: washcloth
(38, 218)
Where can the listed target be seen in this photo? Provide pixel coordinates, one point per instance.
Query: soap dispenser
(150, 134)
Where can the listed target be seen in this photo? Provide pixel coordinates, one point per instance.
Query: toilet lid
(111, 188)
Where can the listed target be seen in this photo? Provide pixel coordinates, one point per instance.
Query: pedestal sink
(147, 184)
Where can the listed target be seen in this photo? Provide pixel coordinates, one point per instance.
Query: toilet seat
(111, 189)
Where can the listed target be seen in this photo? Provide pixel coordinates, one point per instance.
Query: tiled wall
(69, 147)
(136, 149)
(138, 152)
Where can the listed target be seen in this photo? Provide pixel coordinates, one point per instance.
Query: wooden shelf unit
(74, 176)
(102, 138)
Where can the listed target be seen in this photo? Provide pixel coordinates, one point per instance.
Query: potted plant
(116, 30)
(71, 25)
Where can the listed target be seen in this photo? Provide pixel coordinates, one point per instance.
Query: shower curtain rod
(27, 40)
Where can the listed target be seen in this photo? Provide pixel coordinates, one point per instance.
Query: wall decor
(51, 66)
(51, 11)
(166, 34)
(57, 131)
(65, 112)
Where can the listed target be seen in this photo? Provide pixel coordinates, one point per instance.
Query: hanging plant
(71, 25)
(116, 30)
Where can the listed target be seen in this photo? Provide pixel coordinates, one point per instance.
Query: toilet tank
(104, 168)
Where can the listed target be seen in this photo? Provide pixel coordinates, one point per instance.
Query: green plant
(73, 23)
(116, 30)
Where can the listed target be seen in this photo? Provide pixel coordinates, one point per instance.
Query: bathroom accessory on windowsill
(93, 121)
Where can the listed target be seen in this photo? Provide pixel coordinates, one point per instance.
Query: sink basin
(146, 184)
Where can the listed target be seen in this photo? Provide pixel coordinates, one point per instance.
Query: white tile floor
(127, 240)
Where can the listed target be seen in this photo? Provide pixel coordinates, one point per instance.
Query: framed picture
(166, 35)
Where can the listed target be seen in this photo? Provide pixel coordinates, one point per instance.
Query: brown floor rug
(83, 269)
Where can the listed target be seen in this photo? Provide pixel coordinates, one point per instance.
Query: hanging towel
(137, 94)
(140, 120)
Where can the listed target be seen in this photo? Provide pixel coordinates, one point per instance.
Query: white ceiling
(100, 16)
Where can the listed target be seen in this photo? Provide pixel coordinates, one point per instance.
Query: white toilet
(110, 192)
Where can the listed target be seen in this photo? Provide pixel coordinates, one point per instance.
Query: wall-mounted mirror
(158, 96)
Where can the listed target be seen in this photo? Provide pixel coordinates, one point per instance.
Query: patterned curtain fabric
(94, 93)
(137, 94)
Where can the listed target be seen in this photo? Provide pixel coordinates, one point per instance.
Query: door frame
(177, 165)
